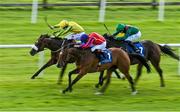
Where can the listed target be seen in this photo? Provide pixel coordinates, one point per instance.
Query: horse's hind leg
(59, 81)
(156, 65)
(139, 72)
(49, 63)
(130, 79)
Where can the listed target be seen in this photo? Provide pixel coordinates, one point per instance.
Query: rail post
(179, 64)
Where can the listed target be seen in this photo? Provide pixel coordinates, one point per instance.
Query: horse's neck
(81, 54)
(54, 44)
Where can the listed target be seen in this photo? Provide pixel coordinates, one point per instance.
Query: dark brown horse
(152, 54)
(87, 62)
(53, 44)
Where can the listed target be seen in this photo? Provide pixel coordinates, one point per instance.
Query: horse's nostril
(31, 53)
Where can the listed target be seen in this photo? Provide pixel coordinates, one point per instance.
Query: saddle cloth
(139, 46)
(106, 56)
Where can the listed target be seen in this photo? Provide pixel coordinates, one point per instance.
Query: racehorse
(152, 53)
(54, 44)
(87, 62)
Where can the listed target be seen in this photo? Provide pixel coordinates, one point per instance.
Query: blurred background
(22, 22)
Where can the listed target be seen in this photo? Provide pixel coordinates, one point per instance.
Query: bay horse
(87, 62)
(54, 45)
(152, 54)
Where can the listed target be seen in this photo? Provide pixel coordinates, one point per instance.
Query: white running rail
(41, 54)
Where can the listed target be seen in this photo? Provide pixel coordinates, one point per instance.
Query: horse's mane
(57, 38)
(79, 52)
(111, 42)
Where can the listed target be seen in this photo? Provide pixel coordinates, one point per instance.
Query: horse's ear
(105, 35)
(45, 35)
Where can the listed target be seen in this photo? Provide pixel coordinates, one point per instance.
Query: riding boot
(130, 43)
(98, 55)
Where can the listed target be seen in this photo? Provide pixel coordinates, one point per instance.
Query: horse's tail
(142, 60)
(167, 50)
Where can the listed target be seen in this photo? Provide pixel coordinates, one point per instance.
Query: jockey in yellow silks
(75, 30)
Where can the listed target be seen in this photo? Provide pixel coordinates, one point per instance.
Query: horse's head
(40, 44)
(108, 37)
(111, 41)
(68, 55)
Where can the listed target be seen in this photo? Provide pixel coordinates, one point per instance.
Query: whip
(107, 29)
(45, 19)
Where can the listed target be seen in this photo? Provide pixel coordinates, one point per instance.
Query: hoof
(162, 85)
(32, 77)
(59, 83)
(134, 93)
(98, 93)
(63, 91)
(97, 86)
(70, 90)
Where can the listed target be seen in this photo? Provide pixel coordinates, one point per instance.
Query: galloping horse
(54, 44)
(87, 62)
(152, 54)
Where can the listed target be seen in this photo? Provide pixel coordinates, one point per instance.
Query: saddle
(130, 49)
(104, 56)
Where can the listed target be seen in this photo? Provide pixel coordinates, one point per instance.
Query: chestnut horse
(87, 62)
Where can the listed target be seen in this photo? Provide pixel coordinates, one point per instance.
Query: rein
(62, 46)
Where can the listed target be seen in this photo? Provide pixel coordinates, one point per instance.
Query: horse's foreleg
(75, 71)
(155, 63)
(108, 77)
(61, 74)
(139, 72)
(49, 63)
(130, 80)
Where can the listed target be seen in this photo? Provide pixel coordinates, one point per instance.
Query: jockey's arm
(68, 29)
(88, 43)
(121, 38)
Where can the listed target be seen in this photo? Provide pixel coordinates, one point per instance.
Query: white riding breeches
(101, 46)
(74, 36)
(134, 37)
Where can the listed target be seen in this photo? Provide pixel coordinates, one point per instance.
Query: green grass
(19, 92)
(62, 1)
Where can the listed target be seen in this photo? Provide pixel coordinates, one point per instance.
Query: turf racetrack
(19, 92)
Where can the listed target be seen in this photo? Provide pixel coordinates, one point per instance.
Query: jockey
(127, 33)
(71, 27)
(95, 41)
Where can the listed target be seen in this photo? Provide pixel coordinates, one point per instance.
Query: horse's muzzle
(33, 52)
(60, 65)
